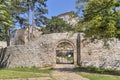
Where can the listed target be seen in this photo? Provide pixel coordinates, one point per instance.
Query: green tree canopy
(101, 19)
(5, 20)
(18, 11)
(56, 25)
(34, 11)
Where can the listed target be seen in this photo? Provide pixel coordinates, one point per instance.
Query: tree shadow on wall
(3, 58)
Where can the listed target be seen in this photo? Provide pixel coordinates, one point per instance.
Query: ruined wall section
(41, 52)
(37, 53)
(28, 56)
(96, 55)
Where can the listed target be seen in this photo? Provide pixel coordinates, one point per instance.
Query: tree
(17, 13)
(12, 12)
(80, 4)
(2, 34)
(100, 19)
(5, 19)
(37, 9)
(56, 25)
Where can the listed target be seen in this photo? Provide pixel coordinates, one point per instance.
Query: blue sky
(56, 7)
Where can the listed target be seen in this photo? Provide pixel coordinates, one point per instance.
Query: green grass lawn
(24, 72)
(93, 73)
(93, 76)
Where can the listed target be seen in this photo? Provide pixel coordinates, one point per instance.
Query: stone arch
(64, 40)
(69, 42)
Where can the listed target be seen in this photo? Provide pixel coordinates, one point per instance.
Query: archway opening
(64, 53)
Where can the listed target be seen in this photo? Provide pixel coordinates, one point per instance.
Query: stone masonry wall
(96, 55)
(27, 56)
(39, 53)
(3, 44)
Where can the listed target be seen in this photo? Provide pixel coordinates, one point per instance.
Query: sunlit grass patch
(32, 69)
(24, 72)
(93, 76)
(94, 73)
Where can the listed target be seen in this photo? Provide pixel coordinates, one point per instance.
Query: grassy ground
(93, 76)
(93, 73)
(24, 72)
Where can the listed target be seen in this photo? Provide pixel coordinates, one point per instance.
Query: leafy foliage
(101, 19)
(37, 9)
(15, 12)
(2, 34)
(55, 25)
(5, 19)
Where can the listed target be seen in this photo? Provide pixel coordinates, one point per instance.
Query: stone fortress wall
(96, 54)
(41, 52)
(3, 44)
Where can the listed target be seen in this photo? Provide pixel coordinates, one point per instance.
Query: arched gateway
(65, 52)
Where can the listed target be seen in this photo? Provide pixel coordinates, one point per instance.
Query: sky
(56, 7)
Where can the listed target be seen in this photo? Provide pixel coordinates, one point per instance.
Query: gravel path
(65, 72)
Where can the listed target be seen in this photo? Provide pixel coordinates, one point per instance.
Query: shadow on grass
(64, 69)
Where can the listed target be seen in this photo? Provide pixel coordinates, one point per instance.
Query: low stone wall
(97, 55)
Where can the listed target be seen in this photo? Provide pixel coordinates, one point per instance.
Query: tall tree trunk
(7, 33)
(32, 20)
(28, 22)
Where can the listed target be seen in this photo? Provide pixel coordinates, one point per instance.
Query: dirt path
(65, 72)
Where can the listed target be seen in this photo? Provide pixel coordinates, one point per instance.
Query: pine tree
(37, 9)
(5, 19)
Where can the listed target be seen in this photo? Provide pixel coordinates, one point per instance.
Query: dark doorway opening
(64, 53)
